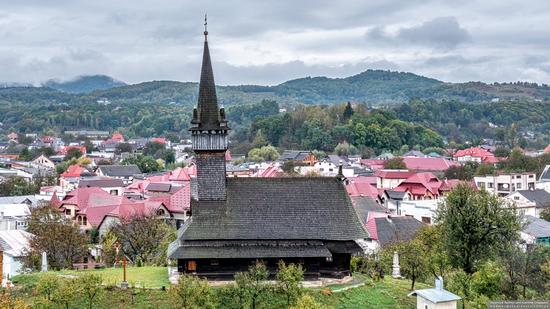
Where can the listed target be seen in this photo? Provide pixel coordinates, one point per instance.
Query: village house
(124, 172)
(530, 202)
(535, 231)
(42, 160)
(389, 179)
(475, 154)
(387, 229)
(505, 184)
(301, 156)
(14, 245)
(421, 186)
(69, 179)
(236, 221)
(113, 186)
(14, 216)
(94, 208)
(428, 164)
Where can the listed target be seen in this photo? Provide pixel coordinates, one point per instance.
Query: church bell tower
(209, 135)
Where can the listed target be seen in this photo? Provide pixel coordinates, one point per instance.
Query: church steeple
(207, 115)
(209, 135)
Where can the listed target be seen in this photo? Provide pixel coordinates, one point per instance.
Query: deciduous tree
(475, 226)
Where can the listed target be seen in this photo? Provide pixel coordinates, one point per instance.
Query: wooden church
(236, 221)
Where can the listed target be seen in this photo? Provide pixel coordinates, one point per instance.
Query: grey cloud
(267, 42)
(441, 32)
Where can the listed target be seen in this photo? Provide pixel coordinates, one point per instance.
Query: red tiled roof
(473, 152)
(394, 174)
(364, 179)
(179, 174)
(419, 183)
(428, 164)
(362, 189)
(55, 200)
(73, 171)
(64, 150)
(374, 164)
(271, 171)
(160, 140)
(117, 137)
(371, 228)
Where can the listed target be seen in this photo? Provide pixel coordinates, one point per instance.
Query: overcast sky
(268, 42)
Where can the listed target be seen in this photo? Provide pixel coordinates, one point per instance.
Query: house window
(427, 220)
(84, 221)
(518, 186)
(516, 198)
(113, 192)
(160, 212)
(67, 211)
(214, 262)
(192, 265)
(490, 185)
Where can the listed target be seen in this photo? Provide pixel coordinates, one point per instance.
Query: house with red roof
(385, 230)
(421, 186)
(363, 186)
(475, 154)
(389, 179)
(117, 137)
(65, 149)
(373, 164)
(69, 179)
(428, 164)
(160, 140)
(94, 208)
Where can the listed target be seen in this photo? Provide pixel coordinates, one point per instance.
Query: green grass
(145, 277)
(389, 293)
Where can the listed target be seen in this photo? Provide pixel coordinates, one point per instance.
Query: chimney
(439, 283)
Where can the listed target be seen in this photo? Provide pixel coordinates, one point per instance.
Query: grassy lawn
(145, 277)
(389, 293)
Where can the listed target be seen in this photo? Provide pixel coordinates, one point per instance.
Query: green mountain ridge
(84, 84)
(375, 87)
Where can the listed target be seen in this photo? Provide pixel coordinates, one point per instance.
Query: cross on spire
(205, 27)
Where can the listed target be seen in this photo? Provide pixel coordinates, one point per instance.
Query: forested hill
(84, 84)
(375, 87)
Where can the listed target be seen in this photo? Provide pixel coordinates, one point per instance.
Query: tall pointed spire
(209, 135)
(208, 116)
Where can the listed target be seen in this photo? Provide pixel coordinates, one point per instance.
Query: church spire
(207, 115)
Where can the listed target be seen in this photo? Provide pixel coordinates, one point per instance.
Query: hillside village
(101, 183)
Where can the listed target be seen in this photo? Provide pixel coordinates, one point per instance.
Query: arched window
(160, 212)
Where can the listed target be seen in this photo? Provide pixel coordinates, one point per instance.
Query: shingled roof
(119, 170)
(392, 229)
(207, 112)
(540, 197)
(316, 208)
